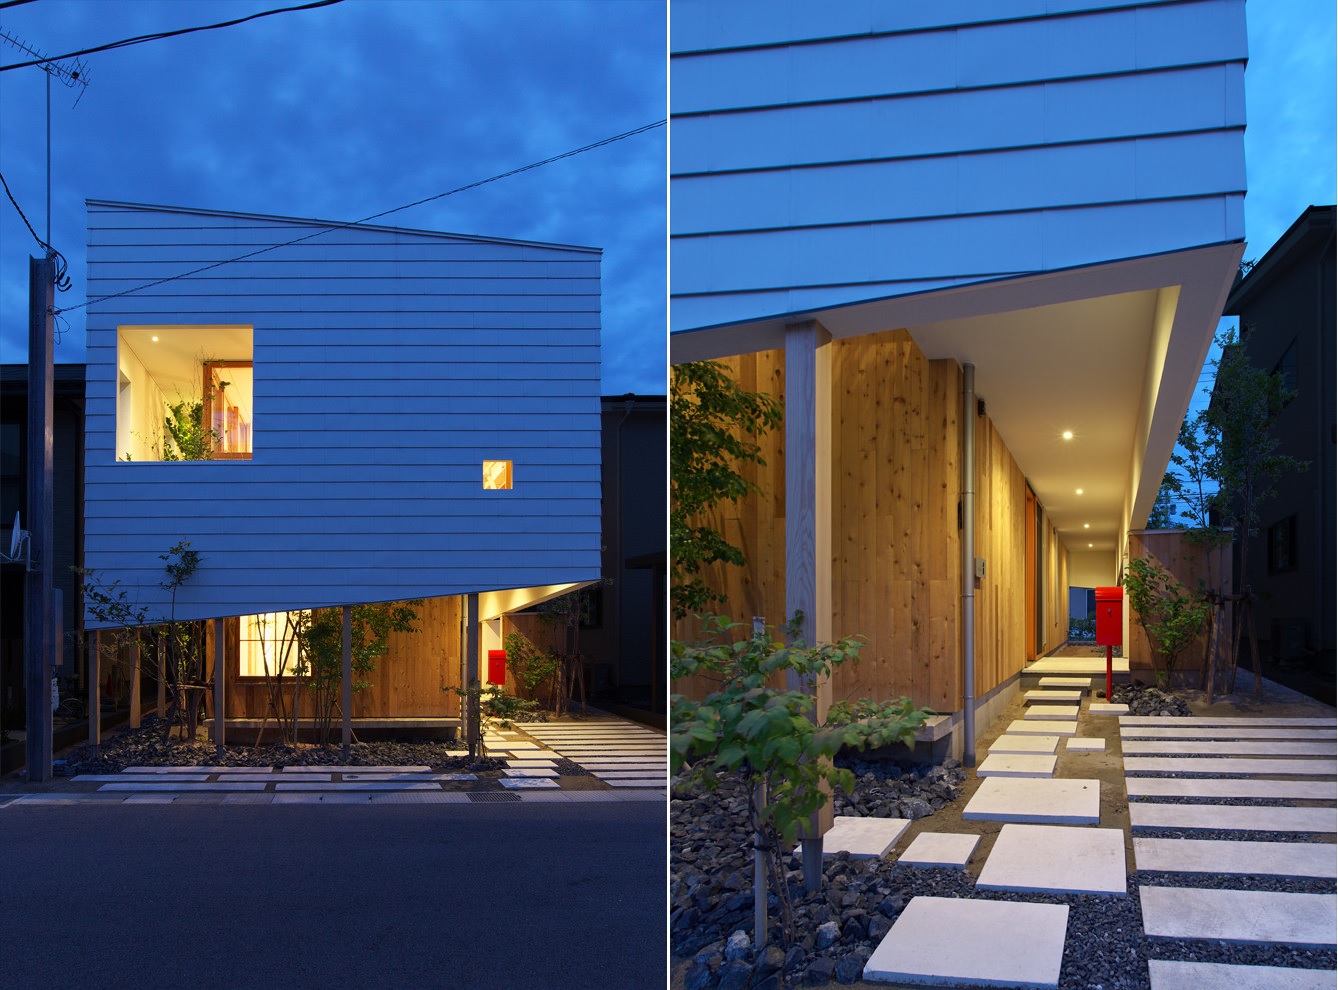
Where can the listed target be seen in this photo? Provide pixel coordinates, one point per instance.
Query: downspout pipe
(969, 565)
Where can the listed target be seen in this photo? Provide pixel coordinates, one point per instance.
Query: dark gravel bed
(145, 747)
(838, 928)
(566, 768)
(1145, 700)
(1238, 802)
(1236, 835)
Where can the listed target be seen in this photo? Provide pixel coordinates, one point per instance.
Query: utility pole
(39, 644)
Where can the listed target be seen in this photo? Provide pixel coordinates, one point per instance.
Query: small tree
(769, 736)
(534, 668)
(1170, 615)
(714, 427)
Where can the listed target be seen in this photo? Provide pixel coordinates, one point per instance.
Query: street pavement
(203, 895)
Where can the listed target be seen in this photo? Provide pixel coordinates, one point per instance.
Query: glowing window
(496, 474)
(184, 393)
(268, 644)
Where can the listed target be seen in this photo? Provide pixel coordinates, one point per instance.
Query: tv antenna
(20, 539)
(71, 73)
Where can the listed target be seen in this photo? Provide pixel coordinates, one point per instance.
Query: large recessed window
(184, 393)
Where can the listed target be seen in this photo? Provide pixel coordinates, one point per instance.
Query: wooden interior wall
(1056, 589)
(417, 677)
(1001, 539)
(895, 541)
(1189, 565)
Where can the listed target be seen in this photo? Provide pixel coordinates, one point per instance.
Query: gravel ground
(838, 928)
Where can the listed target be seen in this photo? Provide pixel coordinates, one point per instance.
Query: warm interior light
(1089, 546)
(1079, 491)
(1086, 525)
(496, 474)
(1068, 434)
(155, 340)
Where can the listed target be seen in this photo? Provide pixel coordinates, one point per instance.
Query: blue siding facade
(826, 155)
(388, 365)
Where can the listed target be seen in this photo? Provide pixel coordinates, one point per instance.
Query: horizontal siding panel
(1054, 112)
(388, 366)
(985, 55)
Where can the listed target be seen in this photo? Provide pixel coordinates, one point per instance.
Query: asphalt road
(293, 896)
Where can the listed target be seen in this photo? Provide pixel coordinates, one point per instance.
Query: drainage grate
(493, 796)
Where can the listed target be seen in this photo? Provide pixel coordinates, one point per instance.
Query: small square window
(496, 474)
(1282, 546)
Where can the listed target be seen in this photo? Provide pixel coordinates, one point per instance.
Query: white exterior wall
(388, 365)
(827, 154)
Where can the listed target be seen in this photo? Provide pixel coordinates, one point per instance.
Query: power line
(62, 281)
(375, 216)
(13, 3)
(160, 35)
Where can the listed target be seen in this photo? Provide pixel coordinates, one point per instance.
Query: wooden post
(95, 691)
(135, 702)
(808, 533)
(38, 646)
(346, 679)
(472, 673)
(162, 674)
(220, 703)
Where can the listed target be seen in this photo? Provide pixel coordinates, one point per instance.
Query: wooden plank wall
(415, 678)
(1001, 601)
(1055, 591)
(1190, 566)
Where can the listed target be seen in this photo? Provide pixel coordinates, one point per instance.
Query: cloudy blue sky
(341, 112)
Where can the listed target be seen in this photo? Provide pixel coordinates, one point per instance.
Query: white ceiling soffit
(1111, 352)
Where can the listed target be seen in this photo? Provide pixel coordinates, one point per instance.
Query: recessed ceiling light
(155, 340)
(1089, 545)
(1068, 434)
(1086, 525)
(1079, 491)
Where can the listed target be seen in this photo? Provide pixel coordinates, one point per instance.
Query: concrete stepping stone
(1225, 732)
(947, 849)
(358, 785)
(1239, 915)
(1082, 683)
(1274, 859)
(1052, 696)
(1017, 765)
(358, 769)
(1301, 790)
(1228, 816)
(1216, 766)
(1037, 745)
(1005, 944)
(862, 837)
(269, 778)
(1244, 720)
(1166, 974)
(1056, 859)
(129, 778)
(1208, 747)
(1057, 712)
(1104, 708)
(529, 772)
(1041, 727)
(172, 785)
(526, 783)
(1082, 744)
(1066, 801)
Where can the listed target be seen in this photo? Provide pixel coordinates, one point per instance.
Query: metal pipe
(969, 564)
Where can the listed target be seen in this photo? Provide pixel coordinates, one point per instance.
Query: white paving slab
(171, 785)
(660, 775)
(530, 772)
(1166, 974)
(862, 837)
(1092, 665)
(270, 778)
(1225, 732)
(1302, 790)
(1144, 814)
(175, 770)
(1239, 915)
(1083, 744)
(1056, 859)
(1276, 859)
(1216, 766)
(524, 783)
(1082, 683)
(944, 940)
(940, 849)
(1067, 801)
(1105, 708)
(1017, 765)
(368, 785)
(1056, 712)
(1046, 727)
(1209, 747)
(342, 768)
(1246, 720)
(1052, 696)
(150, 798)
(410, 776)
(129, 778)
(1014, 743)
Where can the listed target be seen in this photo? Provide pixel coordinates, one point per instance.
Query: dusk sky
(341, 112)
(345, 111)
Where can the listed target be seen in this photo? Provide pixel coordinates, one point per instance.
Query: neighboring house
(395, 414)
(980, 250)
(1286, 310)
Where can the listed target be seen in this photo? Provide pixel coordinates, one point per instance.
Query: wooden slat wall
(415, 678)
(1189, 566)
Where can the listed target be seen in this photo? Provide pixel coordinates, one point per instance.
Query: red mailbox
(1109, 616)
(497, 666)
